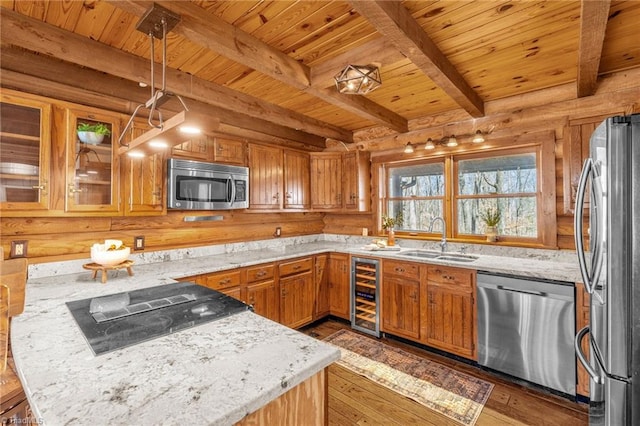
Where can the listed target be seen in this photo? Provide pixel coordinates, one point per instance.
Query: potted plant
(388, 224)
(491, 217)
(92, 134)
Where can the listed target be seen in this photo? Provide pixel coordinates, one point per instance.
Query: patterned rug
(456, 395)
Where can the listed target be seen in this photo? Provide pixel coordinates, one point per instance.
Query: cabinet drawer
(221, 280)
(295, 267)
(260, 272)
(401, 269)
(450, 276)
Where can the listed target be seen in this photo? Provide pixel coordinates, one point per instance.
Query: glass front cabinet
(92, 161)
(25, 153)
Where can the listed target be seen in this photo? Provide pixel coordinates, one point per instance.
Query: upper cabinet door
(199, 148)
(265, 177)
(326, 180)
(92, 183)
(356, 169)
(25, 153)
(143, 180)
(296, 180)
(229, 151)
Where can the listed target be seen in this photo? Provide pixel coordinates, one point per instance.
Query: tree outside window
(416, 192)
(506, 183)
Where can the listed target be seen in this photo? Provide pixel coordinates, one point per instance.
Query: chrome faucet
(443, 242)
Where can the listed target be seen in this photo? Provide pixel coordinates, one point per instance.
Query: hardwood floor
(355, 400)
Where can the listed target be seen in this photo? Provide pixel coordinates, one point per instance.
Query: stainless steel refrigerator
(611, 270)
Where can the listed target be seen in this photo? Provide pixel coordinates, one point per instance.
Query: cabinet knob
(42, 187)
(73, 189)
(277, 196)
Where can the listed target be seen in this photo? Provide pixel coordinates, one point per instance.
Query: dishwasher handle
(515, 290)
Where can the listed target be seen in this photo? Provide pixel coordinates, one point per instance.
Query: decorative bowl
(92, 138)
(106, 255)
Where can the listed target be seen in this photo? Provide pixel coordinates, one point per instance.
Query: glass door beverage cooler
(365, 308)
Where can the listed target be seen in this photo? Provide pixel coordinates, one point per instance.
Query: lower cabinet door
(401, 307)
(339, 286)
(451, 319)
(264, 299)
(297, 300)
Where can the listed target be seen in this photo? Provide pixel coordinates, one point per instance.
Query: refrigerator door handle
(578, 224)
(583, 359)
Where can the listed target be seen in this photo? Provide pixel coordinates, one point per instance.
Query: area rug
(456, 395)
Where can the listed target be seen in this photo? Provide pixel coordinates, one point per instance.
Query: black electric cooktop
(124, 319)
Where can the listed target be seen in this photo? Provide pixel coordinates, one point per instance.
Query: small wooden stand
(95, 267)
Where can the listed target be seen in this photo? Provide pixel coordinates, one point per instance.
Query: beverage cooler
(365, 308)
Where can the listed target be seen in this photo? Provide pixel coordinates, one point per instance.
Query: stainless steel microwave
(196, 185)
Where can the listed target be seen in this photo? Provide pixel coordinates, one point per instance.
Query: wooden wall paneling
(49, 239)
(349, 224)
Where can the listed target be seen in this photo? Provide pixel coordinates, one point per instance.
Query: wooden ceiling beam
(593, 24)
(77, 84)
(393, 20)
(205, 29)
(34, 35)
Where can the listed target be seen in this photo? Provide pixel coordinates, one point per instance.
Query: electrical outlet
(138, 243)
(18, 249)
(278, 232)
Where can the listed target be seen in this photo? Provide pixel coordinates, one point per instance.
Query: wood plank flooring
(355, 400)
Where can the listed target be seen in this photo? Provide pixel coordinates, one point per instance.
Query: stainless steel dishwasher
(526, 329)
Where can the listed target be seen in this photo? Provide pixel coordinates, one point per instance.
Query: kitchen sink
(458, 257)
(421, 253)
(428, 254)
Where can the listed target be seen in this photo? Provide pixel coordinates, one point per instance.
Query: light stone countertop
(214, 373)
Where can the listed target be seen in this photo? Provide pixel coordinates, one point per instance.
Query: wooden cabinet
(326, 180)
(450, 322)
(297, 292)
(321, 278)
(339, 287)
(265, 177)
(278, 179)
(340, 181)
(229, 151)
(401, 299)
(143, 180)
(356, 181)
(227, 282)
(575, 149)
(582, 320)
(198, 148)
(296, 180)
(262, 291)
(25, 152)
(93, 171)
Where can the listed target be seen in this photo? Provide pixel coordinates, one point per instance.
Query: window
(507, 184)
(460, 186)
(416, 192)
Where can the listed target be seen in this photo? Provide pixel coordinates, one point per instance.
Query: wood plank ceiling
(273, 61)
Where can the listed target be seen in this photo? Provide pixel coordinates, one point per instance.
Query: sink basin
(458, 257)
(424, 254)
(427, 254)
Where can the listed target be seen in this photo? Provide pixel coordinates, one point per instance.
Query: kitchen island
(214, 373)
